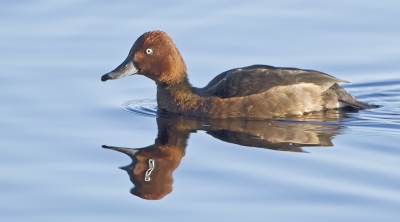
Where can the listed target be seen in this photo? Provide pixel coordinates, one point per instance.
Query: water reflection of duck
(257, 91)
(152, 167)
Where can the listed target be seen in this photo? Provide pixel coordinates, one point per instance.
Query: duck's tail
(348, 100)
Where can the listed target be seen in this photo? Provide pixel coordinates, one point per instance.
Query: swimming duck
(257, 91)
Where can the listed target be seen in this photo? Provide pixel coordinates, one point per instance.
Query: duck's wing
(260, 78)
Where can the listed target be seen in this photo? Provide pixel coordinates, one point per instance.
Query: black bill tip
(105, 77)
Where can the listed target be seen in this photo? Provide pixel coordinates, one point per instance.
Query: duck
(256, 91)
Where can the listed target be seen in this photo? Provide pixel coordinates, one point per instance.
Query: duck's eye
(149, 51)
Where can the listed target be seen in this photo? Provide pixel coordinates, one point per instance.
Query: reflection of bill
(152, 167)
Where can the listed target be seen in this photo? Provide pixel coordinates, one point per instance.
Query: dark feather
(348, 100)
(260, 78)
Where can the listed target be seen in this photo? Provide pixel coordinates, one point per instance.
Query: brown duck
(257, 91)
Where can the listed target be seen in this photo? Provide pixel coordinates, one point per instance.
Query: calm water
(57, 114)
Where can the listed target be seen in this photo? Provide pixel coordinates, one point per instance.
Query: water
(57, 114)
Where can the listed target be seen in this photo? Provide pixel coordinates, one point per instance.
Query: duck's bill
(126, 68)
(129, 151)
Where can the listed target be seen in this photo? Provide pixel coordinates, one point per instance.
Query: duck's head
(154, 55)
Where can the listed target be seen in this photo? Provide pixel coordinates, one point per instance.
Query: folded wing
(260, 78)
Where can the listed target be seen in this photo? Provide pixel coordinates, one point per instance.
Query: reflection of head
(151, 171)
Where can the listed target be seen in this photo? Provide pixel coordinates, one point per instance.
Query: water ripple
(386, 94)
(142, 107)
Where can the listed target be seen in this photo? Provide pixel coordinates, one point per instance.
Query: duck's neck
(175, 97)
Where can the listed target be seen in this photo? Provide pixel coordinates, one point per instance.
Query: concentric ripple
(142, 107)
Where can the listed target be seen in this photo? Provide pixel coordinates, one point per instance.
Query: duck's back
(257, 79)
(281, 91)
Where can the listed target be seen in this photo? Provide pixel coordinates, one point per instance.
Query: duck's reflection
(151, 168)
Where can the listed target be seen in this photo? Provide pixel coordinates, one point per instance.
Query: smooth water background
(56, 113)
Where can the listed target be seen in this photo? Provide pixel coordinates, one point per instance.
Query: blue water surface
(57, 114)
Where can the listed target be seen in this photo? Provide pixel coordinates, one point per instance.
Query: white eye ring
(149, 51)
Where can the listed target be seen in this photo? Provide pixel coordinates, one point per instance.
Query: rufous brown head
(154, 55)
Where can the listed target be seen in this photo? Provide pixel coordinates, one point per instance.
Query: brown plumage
(257, 91)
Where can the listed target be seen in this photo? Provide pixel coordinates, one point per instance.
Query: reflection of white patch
(152, 165)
